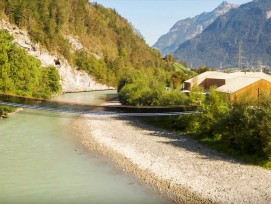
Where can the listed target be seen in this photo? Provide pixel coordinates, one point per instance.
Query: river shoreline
(172, 192)
(182, 169)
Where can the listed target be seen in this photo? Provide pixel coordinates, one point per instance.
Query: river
(41, 161)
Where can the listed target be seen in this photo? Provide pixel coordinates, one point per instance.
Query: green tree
(203, 69)
(23, 74)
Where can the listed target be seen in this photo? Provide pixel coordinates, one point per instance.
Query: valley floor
(179, 167)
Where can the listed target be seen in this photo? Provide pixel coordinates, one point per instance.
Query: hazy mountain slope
(189, 28)
(243, 32)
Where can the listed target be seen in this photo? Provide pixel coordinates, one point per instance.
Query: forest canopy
(102, 32)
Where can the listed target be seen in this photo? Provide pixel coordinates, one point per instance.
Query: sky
(154, 18)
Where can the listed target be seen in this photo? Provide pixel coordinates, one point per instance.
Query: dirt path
(182, 168)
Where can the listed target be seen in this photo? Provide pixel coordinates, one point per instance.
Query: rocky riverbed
(177, 166)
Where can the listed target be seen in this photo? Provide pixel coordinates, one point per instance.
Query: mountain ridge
(239, 37)
(189, 28)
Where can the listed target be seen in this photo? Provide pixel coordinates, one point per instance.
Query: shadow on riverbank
(179, 140)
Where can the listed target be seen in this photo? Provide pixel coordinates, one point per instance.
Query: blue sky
(154, 18)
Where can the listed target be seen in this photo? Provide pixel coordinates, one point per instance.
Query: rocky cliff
(72, 80)
(189, 28)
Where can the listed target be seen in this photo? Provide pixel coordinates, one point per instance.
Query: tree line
(239, 128)
(23, 74)
(104, 32)
(100, 30)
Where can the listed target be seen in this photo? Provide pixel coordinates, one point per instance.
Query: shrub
(174, 97)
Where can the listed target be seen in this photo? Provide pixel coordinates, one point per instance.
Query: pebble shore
(179, 167)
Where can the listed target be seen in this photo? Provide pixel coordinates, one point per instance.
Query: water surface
(41, 161)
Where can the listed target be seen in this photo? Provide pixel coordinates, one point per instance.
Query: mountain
(189, 28)
(241, 38)
(86, 36)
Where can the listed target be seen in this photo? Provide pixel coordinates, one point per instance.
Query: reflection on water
(42, 162)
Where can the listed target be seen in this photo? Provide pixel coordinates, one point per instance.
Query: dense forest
(22, 74)
(121, 51)
(100, 30)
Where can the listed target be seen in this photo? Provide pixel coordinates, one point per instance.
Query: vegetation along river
(41, 161)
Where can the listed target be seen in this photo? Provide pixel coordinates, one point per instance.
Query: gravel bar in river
(179, 167)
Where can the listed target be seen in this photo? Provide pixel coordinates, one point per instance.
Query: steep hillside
(23, 74)
(71, 80)
(189, 28)
(87, 35)
(239, 38)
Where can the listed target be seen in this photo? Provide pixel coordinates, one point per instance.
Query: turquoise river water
(41, 161)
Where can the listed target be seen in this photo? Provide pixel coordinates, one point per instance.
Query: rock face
(189, 28)
(72, 80)
(240, 38)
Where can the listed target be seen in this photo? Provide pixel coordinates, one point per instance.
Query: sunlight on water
(42, 162)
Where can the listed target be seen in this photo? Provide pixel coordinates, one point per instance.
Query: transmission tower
(240, 56)
(221, 66)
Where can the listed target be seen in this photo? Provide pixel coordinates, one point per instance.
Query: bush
(23, 74)
(4, 110)
(174, 97)
(239, 126)
(189, 123)
(248, 129)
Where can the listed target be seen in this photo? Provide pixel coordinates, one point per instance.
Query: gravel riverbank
(177, 166)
